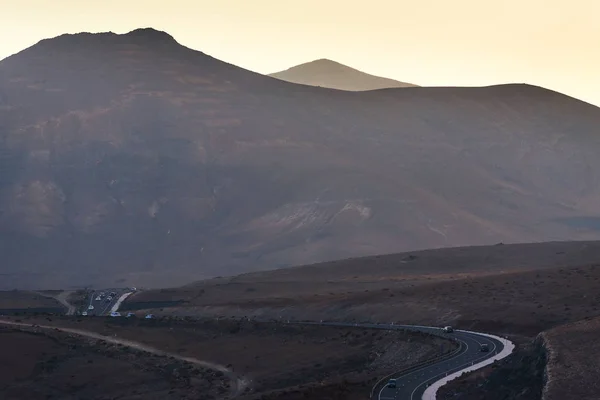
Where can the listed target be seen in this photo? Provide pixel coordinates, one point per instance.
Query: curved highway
(413, 384)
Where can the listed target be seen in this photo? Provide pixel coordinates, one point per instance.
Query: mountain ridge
(127, 162)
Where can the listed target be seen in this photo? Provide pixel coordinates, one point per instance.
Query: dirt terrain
(46, 364)
(21, 301)
(513, 289)
(573, 361)
(275, 358)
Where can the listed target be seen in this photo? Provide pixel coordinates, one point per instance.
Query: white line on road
(446, 374)
(118, 303)
(466, 349)
(91, 300)
(431, 391)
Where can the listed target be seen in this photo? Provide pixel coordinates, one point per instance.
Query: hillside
(268, 360)
(37, 363)
(331, 74)
(573, 360)
(520, 289)
(132, 160)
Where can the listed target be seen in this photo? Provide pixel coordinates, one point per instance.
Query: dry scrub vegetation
(25, 301)
(276, 359)
(573, 362)
(46, 364)
(505, 294)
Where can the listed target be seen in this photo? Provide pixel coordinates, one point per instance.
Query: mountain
(331, 74)
(130, 159)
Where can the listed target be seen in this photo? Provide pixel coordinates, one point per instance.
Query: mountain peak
(325, 61)
(332, 74)
(151, 34)
(147, 37)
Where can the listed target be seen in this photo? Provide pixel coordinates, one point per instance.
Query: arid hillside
(166, 358)
(572, 370)
(16, 301)
(507, 289)
(37, 364)
(331, 74)
(132, 160)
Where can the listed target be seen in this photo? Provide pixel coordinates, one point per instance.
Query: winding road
(421, 383)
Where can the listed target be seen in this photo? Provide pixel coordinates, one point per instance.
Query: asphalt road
(100, 302)
(412, 385)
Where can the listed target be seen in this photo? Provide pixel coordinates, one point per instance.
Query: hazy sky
(551, 43)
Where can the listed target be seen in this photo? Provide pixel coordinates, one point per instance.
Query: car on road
(91, 307)
(448, 329)
(484, 347)
(108, 299)
(84, 313)
(391, 383)
(98, 298)
(149, 316)
(115, 314)
(130, 314)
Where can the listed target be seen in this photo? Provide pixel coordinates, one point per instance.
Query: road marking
(446, 373)
(421, 370)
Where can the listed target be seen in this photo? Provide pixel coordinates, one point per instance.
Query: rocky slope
(130, 159)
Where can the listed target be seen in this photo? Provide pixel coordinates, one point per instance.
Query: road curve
(422, 383)
(238, 383)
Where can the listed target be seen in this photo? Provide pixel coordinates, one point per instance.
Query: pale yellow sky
(551, 43)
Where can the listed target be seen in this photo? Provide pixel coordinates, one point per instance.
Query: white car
(98, 298)
(149, 316)
(448, 329)
(91, 307)
(115, 314)
(84, 313)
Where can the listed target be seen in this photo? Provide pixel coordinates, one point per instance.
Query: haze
(550, 43)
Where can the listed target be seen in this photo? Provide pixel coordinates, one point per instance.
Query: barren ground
(277, 359)
(45, 364)
(516, 289)
(573, 363)
(19, 301)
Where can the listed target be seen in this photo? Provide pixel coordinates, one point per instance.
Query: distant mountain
(331, 74)
(130, 159)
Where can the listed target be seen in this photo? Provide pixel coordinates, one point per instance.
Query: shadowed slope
(129, 159)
